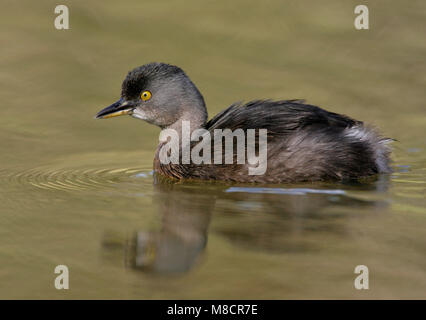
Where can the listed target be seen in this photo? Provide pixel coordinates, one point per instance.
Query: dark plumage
(305, 142)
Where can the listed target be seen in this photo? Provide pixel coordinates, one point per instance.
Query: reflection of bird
(304, 142)
(178, 246)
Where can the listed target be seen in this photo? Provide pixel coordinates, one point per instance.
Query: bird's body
(304, 142)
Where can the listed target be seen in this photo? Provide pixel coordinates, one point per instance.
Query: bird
(305, 143)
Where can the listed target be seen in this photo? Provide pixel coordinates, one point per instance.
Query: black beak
(118, 108)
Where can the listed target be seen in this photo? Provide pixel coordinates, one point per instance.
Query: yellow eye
(146, 95)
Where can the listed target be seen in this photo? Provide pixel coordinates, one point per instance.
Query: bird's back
(279, 117)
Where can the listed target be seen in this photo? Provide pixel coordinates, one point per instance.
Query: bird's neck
(182, 131)
(191, 119)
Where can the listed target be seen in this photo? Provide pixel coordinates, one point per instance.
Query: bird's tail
(380, 146)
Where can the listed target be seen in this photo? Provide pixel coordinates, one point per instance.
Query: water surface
(80, 192)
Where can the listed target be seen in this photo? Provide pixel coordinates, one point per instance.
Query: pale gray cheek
(145, 115)
(139, 114)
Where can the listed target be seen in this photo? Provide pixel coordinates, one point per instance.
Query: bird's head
(160, 94)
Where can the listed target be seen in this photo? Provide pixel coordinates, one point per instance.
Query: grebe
(304, 142)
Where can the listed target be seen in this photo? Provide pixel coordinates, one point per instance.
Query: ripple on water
(75, 179)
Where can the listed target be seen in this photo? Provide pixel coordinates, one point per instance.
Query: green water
(79, 192)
